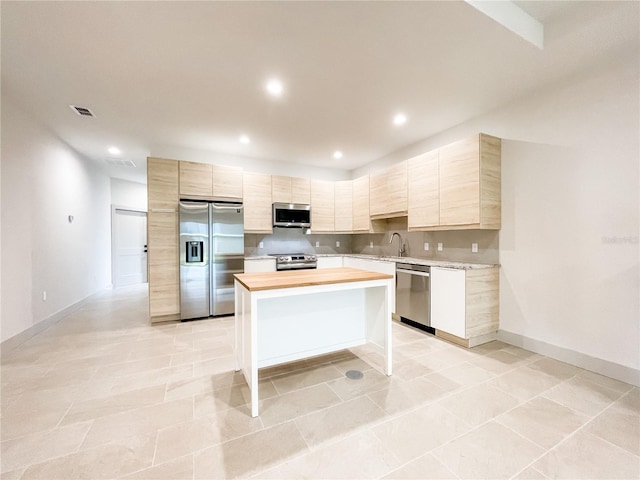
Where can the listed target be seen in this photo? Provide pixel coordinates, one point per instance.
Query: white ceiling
(165, 76)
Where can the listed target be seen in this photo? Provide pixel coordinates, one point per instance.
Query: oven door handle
(413, 272)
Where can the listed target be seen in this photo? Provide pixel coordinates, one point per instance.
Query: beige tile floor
(102, 394)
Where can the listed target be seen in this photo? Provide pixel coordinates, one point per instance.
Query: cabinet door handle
(414, 272)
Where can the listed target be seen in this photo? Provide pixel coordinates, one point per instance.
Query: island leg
(237, 323)
(388, 327)
(253, 325)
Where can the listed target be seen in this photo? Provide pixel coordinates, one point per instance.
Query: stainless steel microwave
(291, 215)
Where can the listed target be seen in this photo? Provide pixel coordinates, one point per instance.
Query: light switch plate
(317, 244)
(440, 247)
(426, 246)
(474, 248)
(337, 243)
(261, 245)
(370, 244)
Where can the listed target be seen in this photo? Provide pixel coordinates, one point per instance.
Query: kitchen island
(289, 315)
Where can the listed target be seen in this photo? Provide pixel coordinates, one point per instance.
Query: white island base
(286, 316)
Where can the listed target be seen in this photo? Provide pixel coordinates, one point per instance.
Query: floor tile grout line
(573, 434)
(77, 450)
(65, 414)
(429, 452)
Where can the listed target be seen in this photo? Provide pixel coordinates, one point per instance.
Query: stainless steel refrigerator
(211, 251)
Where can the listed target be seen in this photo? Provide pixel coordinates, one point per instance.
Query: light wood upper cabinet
(343, 206)
(322, 206)
(361, 221)
(280, 189)
(377, 193)
(469, 174)
(388, 192)
(291, 189)
(195, 179)
(257, 203)
(301, 190)
(226, 182)
(423, 191)
(162, 184)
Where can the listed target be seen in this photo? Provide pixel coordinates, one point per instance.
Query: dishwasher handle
(413, 272)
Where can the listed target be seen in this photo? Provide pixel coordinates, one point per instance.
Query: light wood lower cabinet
(322, 206)
(465, 304)
(164, 276)
(257, 203)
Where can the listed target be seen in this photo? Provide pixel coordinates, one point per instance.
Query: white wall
(272, 167)
(128, 194)
(43, 182)
(569, 241)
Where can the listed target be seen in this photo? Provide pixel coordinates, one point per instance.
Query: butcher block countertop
(304, 278)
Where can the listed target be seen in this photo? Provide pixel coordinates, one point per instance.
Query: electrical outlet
(370, 244)
(317, 244)
(426, 246)
(440, 247)
(474, 248)
(44, 295)
(261, 245)
(337, 243)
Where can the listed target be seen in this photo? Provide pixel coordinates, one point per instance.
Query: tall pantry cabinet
(163, 179)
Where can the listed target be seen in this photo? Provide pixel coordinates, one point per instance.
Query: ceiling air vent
(116, 162)
(82, 111)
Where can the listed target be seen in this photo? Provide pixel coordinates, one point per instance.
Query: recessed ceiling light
(337, 154)
(244, 139)
(114, 151)
(400, 119)
(274, 87)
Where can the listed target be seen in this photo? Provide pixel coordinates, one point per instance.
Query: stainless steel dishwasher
(412, 295)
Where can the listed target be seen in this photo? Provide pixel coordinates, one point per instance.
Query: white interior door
(130, 229)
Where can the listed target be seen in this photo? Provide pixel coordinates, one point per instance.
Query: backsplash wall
(294, 240)
(456, 243)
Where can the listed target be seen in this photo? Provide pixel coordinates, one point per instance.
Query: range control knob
(312, 258)
(282, 259)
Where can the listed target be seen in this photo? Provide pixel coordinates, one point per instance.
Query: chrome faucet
(401, 250)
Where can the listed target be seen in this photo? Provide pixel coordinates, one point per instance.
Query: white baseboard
(598, 365)
(10, 344)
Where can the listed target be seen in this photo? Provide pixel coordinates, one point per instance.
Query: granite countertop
(423, 261)
(414, 261)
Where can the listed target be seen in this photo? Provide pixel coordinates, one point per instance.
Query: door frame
(114, 255)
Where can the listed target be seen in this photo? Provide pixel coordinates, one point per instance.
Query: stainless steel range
(295, 261)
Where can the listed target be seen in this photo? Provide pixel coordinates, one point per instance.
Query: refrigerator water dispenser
(194, 252)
